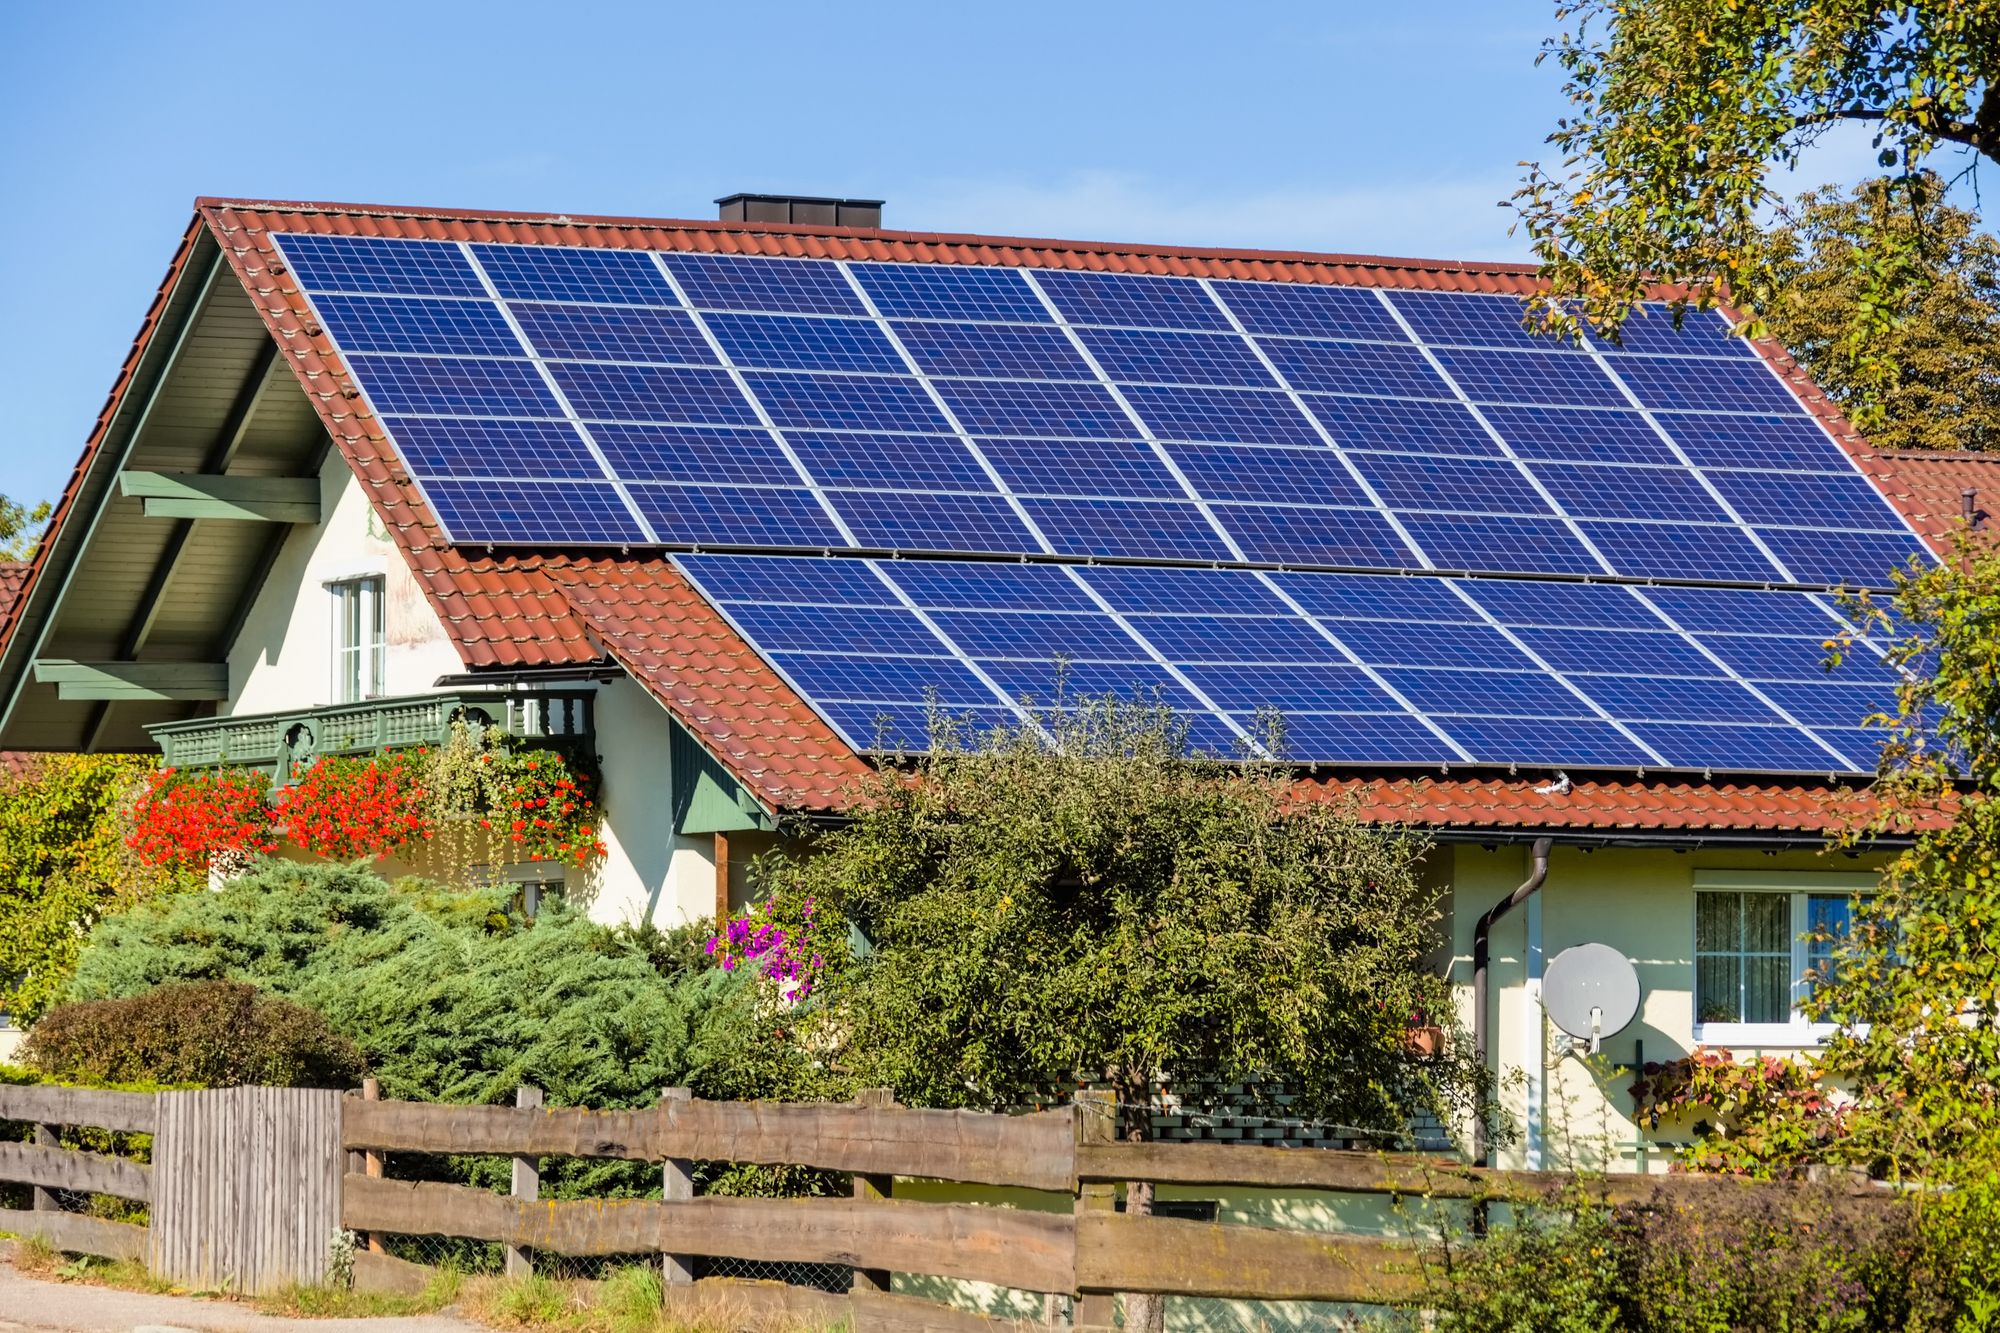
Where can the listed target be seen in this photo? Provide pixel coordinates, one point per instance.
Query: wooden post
(371, 1162)
(873, 1187)
(527, 1185)
(45, 1199)
(677, 1186)
(721, 880)
(1096, 1123)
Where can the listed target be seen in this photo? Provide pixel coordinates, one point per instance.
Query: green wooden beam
(200, 495)
(134, 680)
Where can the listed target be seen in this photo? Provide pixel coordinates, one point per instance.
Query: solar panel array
(1275, 433)
(627, 398)
(1362, 669)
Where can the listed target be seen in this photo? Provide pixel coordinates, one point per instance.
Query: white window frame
(1796, 1032)
(365, 661)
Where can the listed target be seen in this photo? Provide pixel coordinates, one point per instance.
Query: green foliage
(1930, 378)
(1915, 981)
(1771, 1116)
(1103, 907)
(1681, 109)
(21, 528)
(62, 866)
(450, 998)
(1797, 1262)
(214, 1034)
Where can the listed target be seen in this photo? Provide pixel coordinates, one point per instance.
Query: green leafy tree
(62, 867)
(1078, 900)
(1915, 982)
(20, 528)
(1930, 379)
(1682, 109)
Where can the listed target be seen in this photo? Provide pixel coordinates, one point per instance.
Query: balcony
(275, 742)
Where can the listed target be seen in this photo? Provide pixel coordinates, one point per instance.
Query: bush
(1799, 1261)
(450, 998)
(63, 865)
(206, 1034)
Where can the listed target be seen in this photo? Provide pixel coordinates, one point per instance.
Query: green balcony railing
(277, 741)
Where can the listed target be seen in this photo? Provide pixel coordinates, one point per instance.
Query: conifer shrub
(204, 1033)
(450, 997)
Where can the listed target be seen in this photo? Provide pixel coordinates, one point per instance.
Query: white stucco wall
(284, 656)
(283, 659)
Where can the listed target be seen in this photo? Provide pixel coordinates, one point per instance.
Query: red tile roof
(1930, 486)
(557, 608)
(1672, 805)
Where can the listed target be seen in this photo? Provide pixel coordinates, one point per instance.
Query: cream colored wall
(1640, 901)
(283, 660)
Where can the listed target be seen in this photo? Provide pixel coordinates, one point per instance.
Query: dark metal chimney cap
(805, 210)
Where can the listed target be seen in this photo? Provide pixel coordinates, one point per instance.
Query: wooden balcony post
(873, 1187)
(676, 1186)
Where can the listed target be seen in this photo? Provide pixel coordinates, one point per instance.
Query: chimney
(800, 209)
(1968, 506)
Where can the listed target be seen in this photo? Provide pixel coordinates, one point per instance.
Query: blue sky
(1364, 128)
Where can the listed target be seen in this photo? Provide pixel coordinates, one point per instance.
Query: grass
(326, 1301)
(629, 1300)
(37, 1258)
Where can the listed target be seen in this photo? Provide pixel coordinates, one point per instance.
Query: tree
(20, 528)
(1931, 378)
(62, 867)
(1684, 107)
(1076, 900)
(1915, 981)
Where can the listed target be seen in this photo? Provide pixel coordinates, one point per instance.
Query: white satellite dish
(1591, 991)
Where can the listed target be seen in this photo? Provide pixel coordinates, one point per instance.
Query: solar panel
(813, 354)
(583, 397)
(572, 273)
(1360, 668)
(603, 333)
(1151, 356)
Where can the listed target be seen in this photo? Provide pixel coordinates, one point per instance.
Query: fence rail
(248, 1186)
(1035, 1151)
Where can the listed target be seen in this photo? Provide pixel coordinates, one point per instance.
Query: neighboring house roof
(1938, 486)
(558, 609)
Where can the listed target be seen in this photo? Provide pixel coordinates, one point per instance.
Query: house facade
(274, 547)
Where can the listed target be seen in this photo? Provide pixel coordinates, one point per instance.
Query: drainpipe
(1482, 950)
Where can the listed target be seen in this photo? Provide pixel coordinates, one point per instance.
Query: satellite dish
(1591, 991)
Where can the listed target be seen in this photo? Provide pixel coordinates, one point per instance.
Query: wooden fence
(247, 1188)
(242, 1194)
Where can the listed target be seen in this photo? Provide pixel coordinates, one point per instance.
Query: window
(359, 645)
(1751, 955)
(535, 883)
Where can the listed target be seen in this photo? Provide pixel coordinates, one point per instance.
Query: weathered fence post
(45, 1199)
(873, 1187)
(676, 1186)
(1096, 1123)
(371, 1162)
(527, 1184)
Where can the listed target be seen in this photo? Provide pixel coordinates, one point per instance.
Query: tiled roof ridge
(1511, 268)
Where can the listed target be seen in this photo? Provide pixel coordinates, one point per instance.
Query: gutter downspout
(1482, 950)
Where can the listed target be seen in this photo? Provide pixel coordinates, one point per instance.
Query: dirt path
(76, 1307)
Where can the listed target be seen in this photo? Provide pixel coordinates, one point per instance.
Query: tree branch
(1981, 133)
